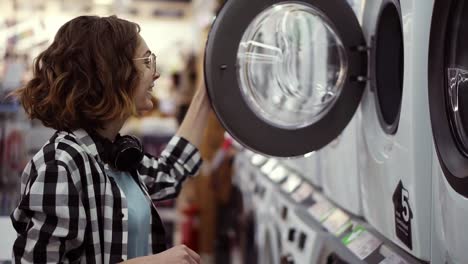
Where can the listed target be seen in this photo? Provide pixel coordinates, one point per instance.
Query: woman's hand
(180, 254)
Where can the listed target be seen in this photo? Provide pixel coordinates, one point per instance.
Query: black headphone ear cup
(127, 153)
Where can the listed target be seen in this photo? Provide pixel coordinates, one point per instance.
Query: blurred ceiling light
(103, 2)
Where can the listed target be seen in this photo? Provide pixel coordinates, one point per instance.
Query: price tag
(292, 182)
(257, 159)
(278, 174)
(336, 221)
(321, 209)
(361, 242)
(304, 191)
(269, 166)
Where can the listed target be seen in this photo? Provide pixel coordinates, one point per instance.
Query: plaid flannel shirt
(71, 212)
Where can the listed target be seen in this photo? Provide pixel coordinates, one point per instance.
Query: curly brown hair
(86, 77)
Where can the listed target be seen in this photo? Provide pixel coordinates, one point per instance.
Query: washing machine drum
(286, 73)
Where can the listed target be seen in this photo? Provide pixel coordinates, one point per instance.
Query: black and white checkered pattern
(71, 212)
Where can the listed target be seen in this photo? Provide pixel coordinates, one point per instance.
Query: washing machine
(267, 232)
(244, 173)
(302, 239)
(246, 165)
(341, 182)
(396, 165)
(340, 157)
(448, 81)
(246, 169)
(308, 166)
(291, 190)
(312, 88)
(307, 236)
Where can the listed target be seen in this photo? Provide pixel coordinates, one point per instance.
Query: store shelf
(343, 235)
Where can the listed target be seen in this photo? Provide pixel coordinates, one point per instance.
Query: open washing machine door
(285, 78)
(448, 101)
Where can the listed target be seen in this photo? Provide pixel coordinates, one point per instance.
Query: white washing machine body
(281, 217)
(241, 167)
(269, 244)
(267, 237)
(448, 75)
(341, 180)
(450, 214)
(244, 177)
(449, 218)
(308, 166)
(270, 234)
(395, 167)
(303, 239)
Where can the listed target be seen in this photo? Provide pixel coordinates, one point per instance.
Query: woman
(86, 195)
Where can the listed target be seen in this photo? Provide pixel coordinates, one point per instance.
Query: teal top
(139, 214)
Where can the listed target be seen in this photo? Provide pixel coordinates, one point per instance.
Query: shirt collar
(91, 143)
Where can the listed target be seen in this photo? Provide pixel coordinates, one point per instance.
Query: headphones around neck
(124, 154)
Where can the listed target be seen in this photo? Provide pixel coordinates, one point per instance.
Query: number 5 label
(403, 214)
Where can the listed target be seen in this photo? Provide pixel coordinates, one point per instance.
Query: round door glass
(291, 65)
(458, 96)
(457, 76)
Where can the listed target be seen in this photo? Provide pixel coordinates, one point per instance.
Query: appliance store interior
(336, 132)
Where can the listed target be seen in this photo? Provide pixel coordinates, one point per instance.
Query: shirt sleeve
(50, 219)
(163, 176)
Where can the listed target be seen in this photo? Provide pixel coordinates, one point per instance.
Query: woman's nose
(156, 76)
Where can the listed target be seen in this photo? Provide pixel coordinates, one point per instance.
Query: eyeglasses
(150, 62)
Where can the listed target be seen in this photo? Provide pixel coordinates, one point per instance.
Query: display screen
(291, 183)
(258, 159)
(269, 166)
(278, 174)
